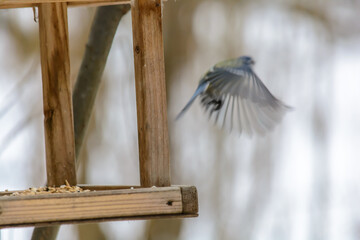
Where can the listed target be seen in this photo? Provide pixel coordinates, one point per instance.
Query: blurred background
(300, 181)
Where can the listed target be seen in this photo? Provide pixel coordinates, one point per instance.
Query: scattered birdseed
(49, 190)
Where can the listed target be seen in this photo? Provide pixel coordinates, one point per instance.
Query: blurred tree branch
(97, 49)
(102, 33)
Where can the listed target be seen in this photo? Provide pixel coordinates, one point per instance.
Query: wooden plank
(98, 220)
(5, 4)
(90, 187)
(96, 3)
(86, 187)
(106, 187)
(95, 206)
(150, 93)
(58, 114)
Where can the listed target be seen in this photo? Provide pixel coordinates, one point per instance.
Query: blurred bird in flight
(236, 99)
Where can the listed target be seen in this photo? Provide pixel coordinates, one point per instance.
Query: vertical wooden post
(150, 93)
(55, 66)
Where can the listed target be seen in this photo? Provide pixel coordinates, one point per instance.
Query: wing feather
(246, 103)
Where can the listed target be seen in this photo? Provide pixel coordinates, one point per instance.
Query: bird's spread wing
(237, 100)
(201, 88)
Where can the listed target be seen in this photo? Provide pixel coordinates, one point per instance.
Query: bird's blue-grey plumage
(236, 99)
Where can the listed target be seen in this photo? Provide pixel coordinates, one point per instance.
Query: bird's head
(237, 62)
(246, 60)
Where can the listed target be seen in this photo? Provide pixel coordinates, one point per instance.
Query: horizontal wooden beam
(95, 206)
(6, 4)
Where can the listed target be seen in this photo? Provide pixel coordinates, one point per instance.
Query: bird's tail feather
(198, 91)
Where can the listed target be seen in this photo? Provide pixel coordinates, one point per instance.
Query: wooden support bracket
(150, 93)
(58, 114)
(95, 206)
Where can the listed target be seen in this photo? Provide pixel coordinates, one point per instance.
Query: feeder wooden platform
(106, 203)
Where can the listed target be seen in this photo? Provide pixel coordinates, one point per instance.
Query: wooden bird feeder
(155, 197)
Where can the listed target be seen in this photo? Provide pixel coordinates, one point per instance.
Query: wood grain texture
(96, 3)
(58, 114)
(150, 93)
(5, 4)
(92, 206)
(49, 225)
(105, 187)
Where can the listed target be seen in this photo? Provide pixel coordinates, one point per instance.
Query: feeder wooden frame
(155, 197)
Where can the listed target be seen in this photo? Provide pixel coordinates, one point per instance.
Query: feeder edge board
(109, 205)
